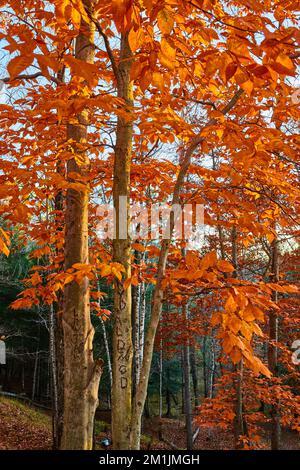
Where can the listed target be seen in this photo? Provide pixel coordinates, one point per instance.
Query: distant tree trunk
(211, 371)
(138, 325)
(147, 409)
(142, 322)
(22, 376)
(168, 403)
(35, 370)
(160, 379)
(187, 390)
(136, 332)
(234, 250)
(57, 312)
(168, 395)
(182, 383)
(59, 370)
(122, 331)
(54, 376)
(107, 352)
(82, 373)
(221, 241)
(239, 428)
(204, 367)
(34, 380)
(194, 375)
(272, 349)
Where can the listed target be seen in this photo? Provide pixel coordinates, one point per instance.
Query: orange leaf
(225, 266)
(167, 55)
(247, 86)
(230, 305)
(284, 65)
(18, 64)
(165, 21)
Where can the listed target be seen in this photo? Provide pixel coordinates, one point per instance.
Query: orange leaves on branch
(82, 270)
(125, 14)
(4, 242)
(255, 364)
(70, 10)
(225, 266)
(23, 303)
(209, 260)
(102, 312)
(237, 326)
(113, 269)
(34, 280)
(39, 252)
(98, 295)
(88, 72)
(139, 247)
(18, 64)
(79, 271)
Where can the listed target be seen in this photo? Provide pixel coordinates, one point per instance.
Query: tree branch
(28, 76)
(106, 42)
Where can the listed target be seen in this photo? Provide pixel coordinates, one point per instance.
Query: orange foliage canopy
(212, 74)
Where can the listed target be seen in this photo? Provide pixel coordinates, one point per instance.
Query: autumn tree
(194, 77)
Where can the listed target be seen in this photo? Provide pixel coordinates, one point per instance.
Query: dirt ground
(23, 427)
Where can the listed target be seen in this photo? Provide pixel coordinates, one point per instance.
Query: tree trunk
(161, 379)
(168, 395)
(142, 322)
(82, 374)
(136, 335)
(58, 341)
(273, 352)
(54, 376)
(194, 375)
(122, 334)
(107, 352)
(35, 370)
(211, 371)
(34, 381)
(58, 347)
(239, 418)
(168, 403)
(187, 392)
(204, 367)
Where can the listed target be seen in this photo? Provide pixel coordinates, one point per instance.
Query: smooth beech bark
(122, 334)
(82, 373)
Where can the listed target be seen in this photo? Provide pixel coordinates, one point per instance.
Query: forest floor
(23, 427)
